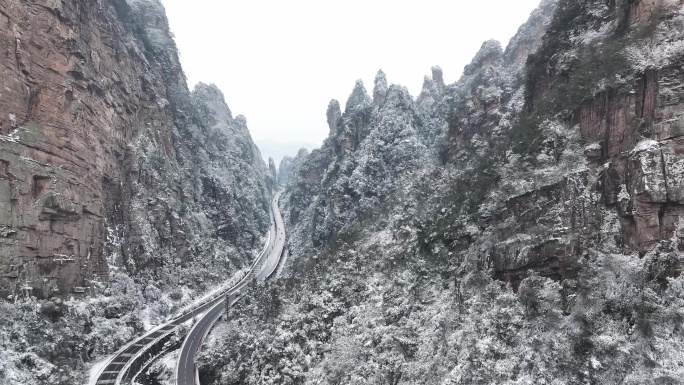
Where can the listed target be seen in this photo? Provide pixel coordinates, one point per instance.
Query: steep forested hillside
(519, 226)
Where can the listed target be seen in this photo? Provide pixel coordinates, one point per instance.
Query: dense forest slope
(522, 225)
(122, 192)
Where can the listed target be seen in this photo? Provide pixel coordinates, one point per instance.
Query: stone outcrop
(380, 89)
(438, 77)
(529, 35)
(633, 137)
(643, 11)
(359, 104)
(432, 89)
(545, 235)
(333, 114)
(68, 110)
(649, 168)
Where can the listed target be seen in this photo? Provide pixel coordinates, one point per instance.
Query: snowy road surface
(125, 363)
(185, 368)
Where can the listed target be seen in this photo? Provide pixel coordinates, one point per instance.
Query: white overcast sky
(280, 62)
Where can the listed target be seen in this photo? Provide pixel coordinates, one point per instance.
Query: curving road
(185, 366)
(186, 372)
(119, 365)
(124, 365)
(271, 265)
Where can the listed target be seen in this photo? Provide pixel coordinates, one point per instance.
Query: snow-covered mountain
(519, 226)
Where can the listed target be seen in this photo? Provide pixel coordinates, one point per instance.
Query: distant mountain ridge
(277, 149)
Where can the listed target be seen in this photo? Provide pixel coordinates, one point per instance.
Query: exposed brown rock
(647, 178)
(651, 171)
(668, 115)
(647, 225)
(529, 35)
(604, 120)
(67, 115)
(549, 222)
(641, 11)
(673, 167)
(89, 165)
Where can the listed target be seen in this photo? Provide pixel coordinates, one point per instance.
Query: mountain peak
(438, 76)
(380, 89)
(358, 98)
(490, 54)
(333, 114)
(212, 97)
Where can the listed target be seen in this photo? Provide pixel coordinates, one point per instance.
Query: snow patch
(644, 145)
(96, 368)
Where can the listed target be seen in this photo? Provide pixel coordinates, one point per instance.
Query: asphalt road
(185, 367)
(186, 360)
(271, 264)
(213, 308)
(111, 371)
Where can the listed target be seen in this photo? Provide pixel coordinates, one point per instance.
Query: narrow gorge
(521, 225)
(124, 194)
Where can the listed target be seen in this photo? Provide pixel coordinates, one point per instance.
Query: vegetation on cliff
(535, 238)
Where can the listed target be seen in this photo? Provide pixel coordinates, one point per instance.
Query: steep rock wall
(103, 150)
(630, 122)
(72, 100)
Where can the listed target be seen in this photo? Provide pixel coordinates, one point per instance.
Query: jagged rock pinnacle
(437, 76)
(380, 89)
(489, 54)
(333, 114)
(358, 97)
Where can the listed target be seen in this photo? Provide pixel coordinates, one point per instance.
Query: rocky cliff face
(519, 226)
(624, 105)
(288, 165)
(65, 136)
(122, 193)
(106, 154)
